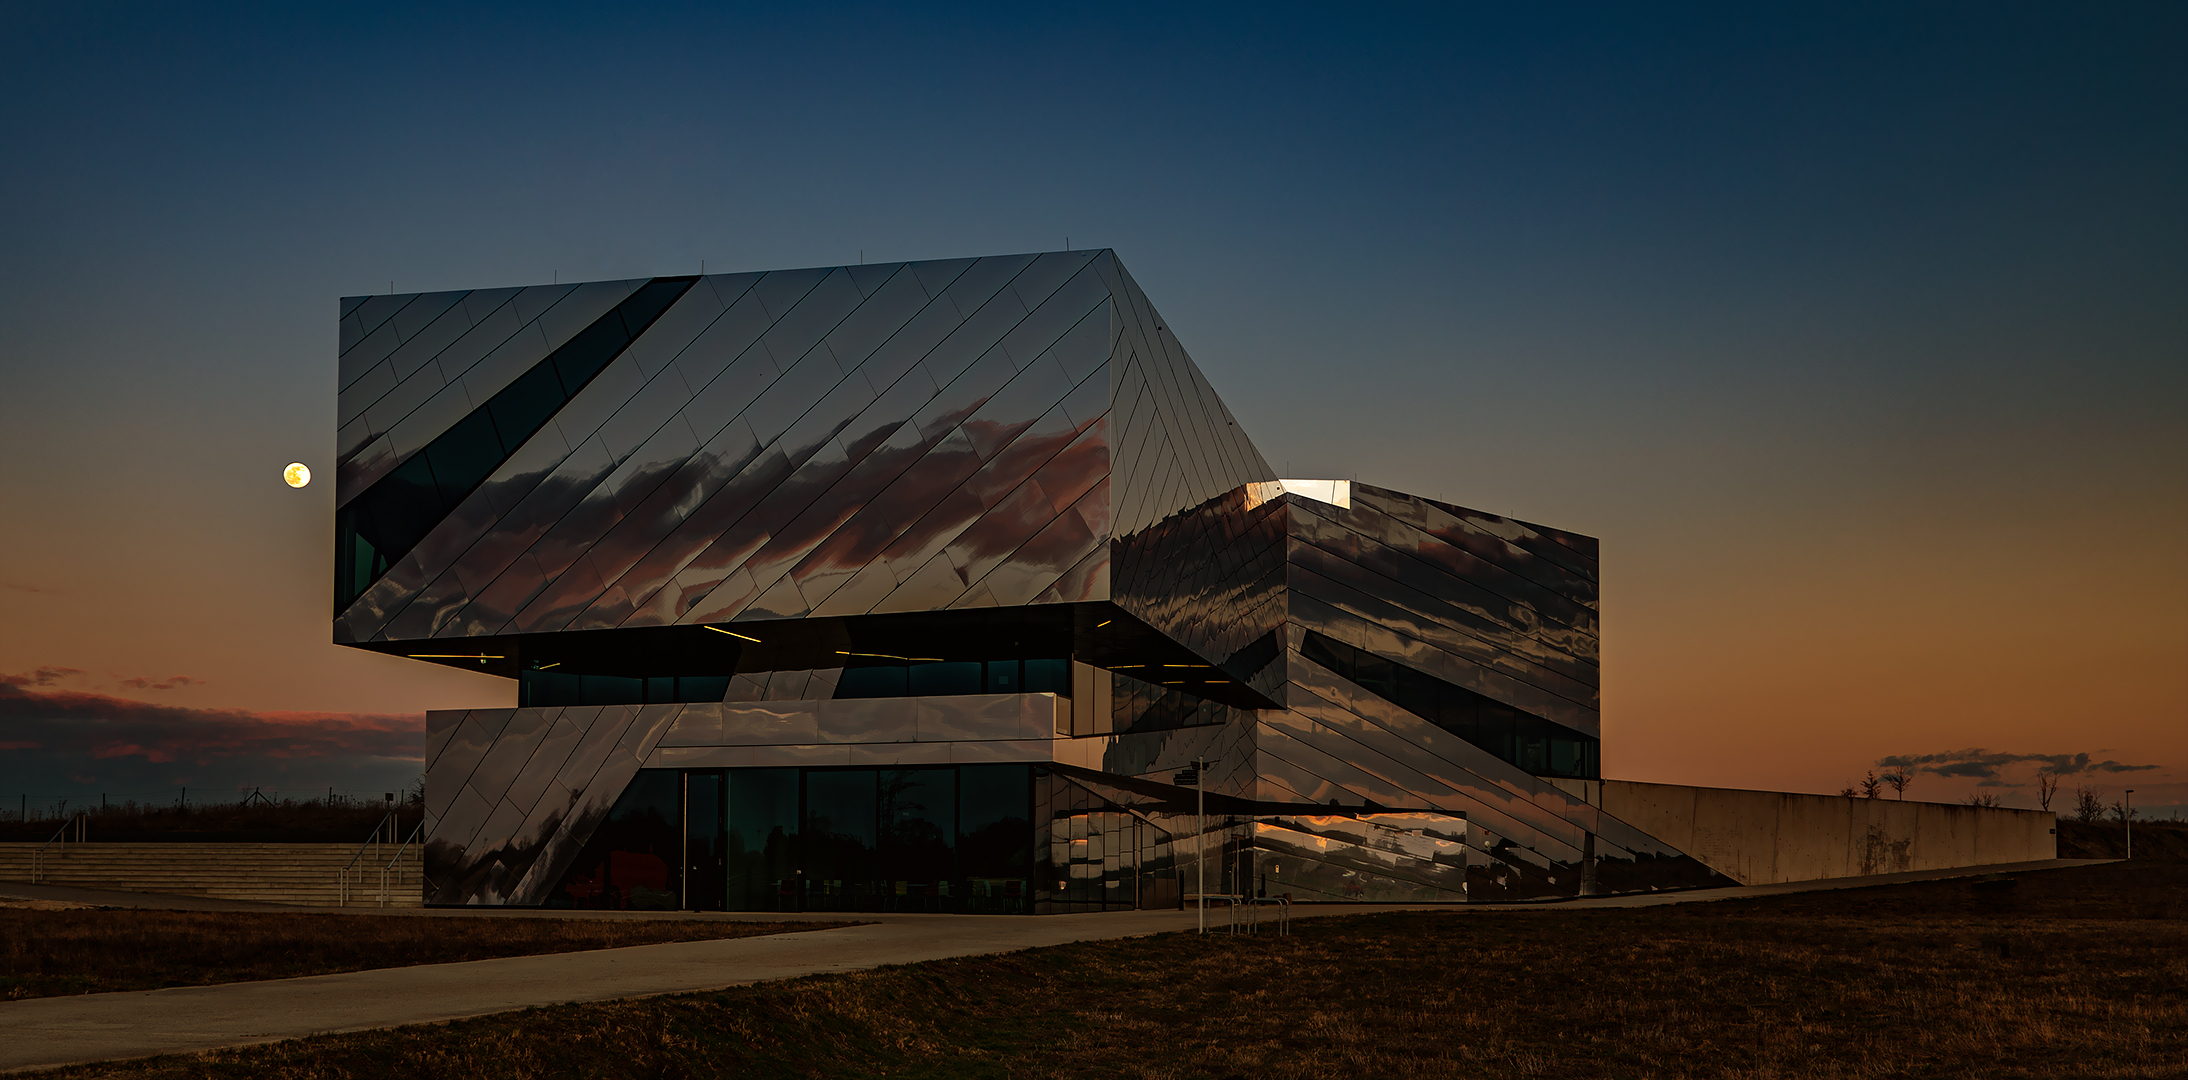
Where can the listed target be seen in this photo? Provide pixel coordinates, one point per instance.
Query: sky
(1857, 333)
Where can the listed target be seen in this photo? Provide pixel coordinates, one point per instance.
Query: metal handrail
(392, 864)
(342, 879)
(60, 836)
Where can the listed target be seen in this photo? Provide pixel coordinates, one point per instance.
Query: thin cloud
(1982, 764)
(74, 724)
(45, 676)
(169, 683)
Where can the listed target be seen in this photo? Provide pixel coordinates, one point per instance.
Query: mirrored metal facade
(918, 586)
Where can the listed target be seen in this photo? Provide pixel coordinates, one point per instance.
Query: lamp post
(2127, 819)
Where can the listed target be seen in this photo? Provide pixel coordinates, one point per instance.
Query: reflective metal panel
(501, 765)
(868, 720)
(467, 746)
(942, 719)
(1349, 614)
(578, 307)
(1511, 625)
(797, 447)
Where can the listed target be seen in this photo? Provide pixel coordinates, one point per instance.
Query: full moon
(296, 474)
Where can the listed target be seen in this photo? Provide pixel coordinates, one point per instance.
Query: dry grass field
(2067, 973)
(85, 951)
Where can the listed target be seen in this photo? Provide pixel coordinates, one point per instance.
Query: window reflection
(633, 861)
(952, 838)
(1530, 742)
(386, 520)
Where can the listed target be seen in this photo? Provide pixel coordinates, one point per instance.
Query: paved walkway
(47, 1032)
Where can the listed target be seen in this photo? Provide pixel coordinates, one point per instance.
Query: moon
(296, 474)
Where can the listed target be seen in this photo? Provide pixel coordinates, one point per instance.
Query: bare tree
(1847, 792)
(1983, 798)
(2087, 806)
(1871, 787)
(2123, 813)
(1899, 781)
(2047, 785)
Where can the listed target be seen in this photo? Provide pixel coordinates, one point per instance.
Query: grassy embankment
(2066, 973)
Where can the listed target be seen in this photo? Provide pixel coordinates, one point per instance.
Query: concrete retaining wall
(1764, 837)
(307, 874)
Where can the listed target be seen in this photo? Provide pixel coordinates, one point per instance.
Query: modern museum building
(946, 586)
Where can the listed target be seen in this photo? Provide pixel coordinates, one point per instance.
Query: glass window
(702, 687)
(1456, 711)
(995, 829)
(522, 406)
(1334, 655)
(839, 839)
(868, 682)
(464, 456)
(952, 677)
(1003, 677)
(1417, 691)
(1048, 677)
(1378, 675)
(918, 839)
(632, 862)
(404, 506)
(760, 856)
(614, 690)
(582, 357)
(1494, 726)
(1532, 734)
(705, 873)
(543, 689)
(941, 838)
(1567, 757)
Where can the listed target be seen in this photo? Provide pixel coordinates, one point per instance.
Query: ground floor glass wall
(945, 838)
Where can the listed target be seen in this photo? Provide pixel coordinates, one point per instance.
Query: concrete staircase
(304, 874)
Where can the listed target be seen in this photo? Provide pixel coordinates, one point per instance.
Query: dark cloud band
(1986, 765)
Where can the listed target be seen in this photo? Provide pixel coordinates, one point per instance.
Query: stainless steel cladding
(926, 586)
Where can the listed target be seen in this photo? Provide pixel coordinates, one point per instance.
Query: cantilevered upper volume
(916, 587)
(829, 442)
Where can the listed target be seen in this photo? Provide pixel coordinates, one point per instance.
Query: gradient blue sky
(1859, 335)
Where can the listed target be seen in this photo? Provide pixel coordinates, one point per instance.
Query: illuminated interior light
(878, 655)
(544, 667)
(734, 634)
(1103, 623)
